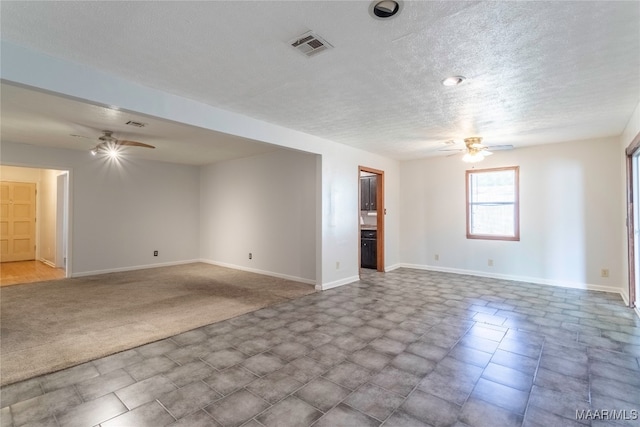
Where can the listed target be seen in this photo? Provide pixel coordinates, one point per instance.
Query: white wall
(336, 184)
(48, 205)
(265, 205)
(569, 216)
(121, 213)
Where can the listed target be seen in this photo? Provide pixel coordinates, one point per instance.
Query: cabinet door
(368, 253)
(373, 180)
(364, 194)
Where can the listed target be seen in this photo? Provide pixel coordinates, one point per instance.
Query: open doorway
(34, 225)
(371, 218)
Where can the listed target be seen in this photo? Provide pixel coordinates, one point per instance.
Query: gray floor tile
(478, 413)
(189, 373)
(263, 363)
(68, 376)
(374, 401)
(236, 408)
(188, 399)
(117, 361)
(430, 409)
(226, 358)
(290, 412)
(428, 351)
(515, 361)
(322, 394)
(556, 402)
(614, 372)
(6, 420)
(511, 399)
(387, 346)
(290, 350)
(157, 348)
(536, 417)
(150, 367)
(343, 415)
(470, 355)
(413, 364)
(197, 419)
(396, 380)
(565, 366)
(349, 343)
(93, 412)
(48, 404)
(104, 384)
(567, 384)
(370, 359)
(274, 387)
(150, 414)
(328, 354)
(145, 391)
(508, 376)
(230, 380)
(304, 369)
(402, 419)
(20, 391)
(615, 389)
(348, 375)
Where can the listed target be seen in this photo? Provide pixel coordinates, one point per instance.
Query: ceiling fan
(110, 144)
(475, 151)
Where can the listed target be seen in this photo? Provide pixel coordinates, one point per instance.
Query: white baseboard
(257, 271)
(132, 268)
(637, 310)
(536, 280)
(47, 262)
(392, 267)
(625, 298)
(335, 284)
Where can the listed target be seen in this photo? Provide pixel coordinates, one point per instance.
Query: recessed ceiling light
(453, 80)
(384, 9)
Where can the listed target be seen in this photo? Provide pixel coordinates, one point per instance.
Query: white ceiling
(538, 72)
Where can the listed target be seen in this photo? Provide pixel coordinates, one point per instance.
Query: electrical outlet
(490, 262)
(604, 272)
(436, 257)
(250, 255)
(155, 253)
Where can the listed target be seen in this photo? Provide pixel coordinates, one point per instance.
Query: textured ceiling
(538, 72)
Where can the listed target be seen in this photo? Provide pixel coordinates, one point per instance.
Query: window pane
(492, 220)
(492, 204)
(493, 187)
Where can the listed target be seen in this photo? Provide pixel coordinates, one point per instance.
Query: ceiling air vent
(136, 124)
(309, 44)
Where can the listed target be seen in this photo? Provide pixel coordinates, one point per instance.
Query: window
(492, 204)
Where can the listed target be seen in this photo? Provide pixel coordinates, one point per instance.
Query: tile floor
(405, 348)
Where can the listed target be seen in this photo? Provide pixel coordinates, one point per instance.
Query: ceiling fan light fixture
(473, 157)
(453, 80)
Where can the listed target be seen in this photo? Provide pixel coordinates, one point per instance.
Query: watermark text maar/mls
(607, 414)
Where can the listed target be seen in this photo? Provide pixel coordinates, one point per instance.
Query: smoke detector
(310, 44)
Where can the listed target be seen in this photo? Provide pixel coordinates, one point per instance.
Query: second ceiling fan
(109, 143)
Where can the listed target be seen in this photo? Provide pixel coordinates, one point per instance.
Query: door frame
(632, 150)
(380, 213)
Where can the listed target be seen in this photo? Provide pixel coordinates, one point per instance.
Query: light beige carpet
(48, 326)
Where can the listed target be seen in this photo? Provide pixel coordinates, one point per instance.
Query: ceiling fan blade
(486, 152)
(453, 149)
(500, 147)
(134, 144)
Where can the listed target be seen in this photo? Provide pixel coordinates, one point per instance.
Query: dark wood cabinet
(368, 193)
(368, 249)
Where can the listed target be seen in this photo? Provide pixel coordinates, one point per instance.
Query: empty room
(319, 213)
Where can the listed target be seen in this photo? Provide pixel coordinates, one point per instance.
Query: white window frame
(516, 205)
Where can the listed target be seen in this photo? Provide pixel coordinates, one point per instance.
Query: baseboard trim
(536, 280)
(392, 267)
(258, 271)
(47, 262)
(637, 310)
(625, 298)
(336, 283)
(132, 268)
